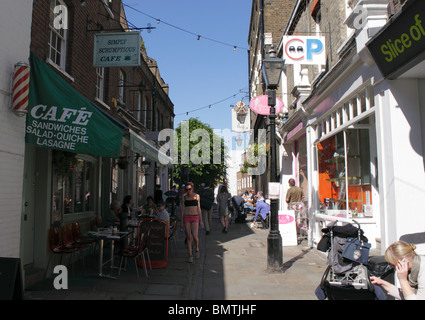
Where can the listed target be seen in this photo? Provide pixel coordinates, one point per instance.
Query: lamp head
(272, 69)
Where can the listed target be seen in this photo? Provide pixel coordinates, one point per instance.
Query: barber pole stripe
(20, 87)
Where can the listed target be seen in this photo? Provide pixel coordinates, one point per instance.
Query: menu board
(10, 279)
(157, 243)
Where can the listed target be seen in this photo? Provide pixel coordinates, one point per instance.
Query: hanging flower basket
(63, 162)
(122, 163)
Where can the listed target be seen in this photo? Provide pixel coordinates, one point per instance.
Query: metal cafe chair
(80, 239)
(172, 236)
(135, 252)
(57, 247)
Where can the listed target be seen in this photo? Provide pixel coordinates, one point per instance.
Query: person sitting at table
(149, 207)
(127, 205)
(161, 212)
(262, 209)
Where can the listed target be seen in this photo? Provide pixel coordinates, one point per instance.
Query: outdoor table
(107, 234)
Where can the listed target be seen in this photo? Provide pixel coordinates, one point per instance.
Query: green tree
(201, 154)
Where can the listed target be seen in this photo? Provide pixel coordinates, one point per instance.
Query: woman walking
(223, 201)
(191, 218)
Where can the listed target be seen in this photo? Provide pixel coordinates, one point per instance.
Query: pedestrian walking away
(223, 203)
(207, 200)
(191, 218)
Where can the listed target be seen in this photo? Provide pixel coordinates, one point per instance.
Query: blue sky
(199, 72)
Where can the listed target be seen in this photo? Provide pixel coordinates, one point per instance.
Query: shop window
(114, 179)
(302, 164)
(73, 185)
(100, 81)
(141, 183)
(344, 172)
(58, 26)
(121, 86)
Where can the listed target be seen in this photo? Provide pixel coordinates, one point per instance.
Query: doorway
(28, 207)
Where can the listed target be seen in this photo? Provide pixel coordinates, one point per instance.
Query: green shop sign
(60, 118)
(401, 42)
(145, 149)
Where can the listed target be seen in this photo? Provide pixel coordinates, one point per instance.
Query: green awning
(145, 149)
(61, 118)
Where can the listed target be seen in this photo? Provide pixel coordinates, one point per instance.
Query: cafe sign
(60, 118)
(121, 49)
(401, 42)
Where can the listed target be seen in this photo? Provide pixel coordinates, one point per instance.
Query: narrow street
(232, 266)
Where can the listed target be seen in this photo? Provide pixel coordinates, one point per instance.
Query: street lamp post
(272, 70)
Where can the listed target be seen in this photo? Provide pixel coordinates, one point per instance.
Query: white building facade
(15, 30)
(357, 139)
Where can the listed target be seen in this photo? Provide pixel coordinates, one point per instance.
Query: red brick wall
(83, 23)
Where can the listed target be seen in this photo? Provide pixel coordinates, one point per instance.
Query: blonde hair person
(410, 269)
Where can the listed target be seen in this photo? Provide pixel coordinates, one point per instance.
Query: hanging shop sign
(241, 121)
(60, 118)
(304, 50)
(400, 44)
(260, 105)
(121, 49)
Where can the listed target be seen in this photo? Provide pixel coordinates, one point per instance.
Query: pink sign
(285, 219)
(260, 105)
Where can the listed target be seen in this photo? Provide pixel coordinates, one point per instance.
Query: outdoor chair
(57, 247)
(172, 236)
(80, 239)
(137, 251)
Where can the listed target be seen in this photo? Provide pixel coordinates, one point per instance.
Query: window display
(344, 173)
(72, 187)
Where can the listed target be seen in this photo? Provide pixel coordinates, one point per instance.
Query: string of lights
(198, 36)
(209, 106)
(241, 91)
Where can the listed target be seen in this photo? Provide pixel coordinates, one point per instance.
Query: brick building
(62, 187)
(267, 23)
